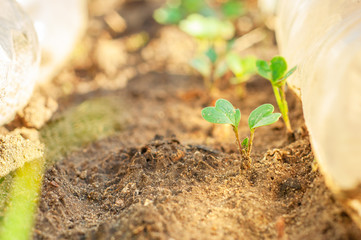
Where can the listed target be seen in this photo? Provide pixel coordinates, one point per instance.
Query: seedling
(225, 113)
(212, 25)
(210, 65)
(243, 69)
(232, 9)
(261, 116)
(174, 11)
(276, 73)
(213, 37)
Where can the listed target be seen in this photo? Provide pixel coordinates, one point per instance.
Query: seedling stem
(276, 72)
(225, 113)
(279, 92)
(235, 130)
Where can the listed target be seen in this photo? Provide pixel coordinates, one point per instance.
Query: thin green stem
(235, 130)
(285, 109)
(282, 104)
(278, 97)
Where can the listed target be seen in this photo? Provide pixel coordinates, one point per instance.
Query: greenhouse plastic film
(59, 25)
(323, 37)
(19, 59)
(30, 30)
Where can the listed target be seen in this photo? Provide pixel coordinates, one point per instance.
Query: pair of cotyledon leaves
(225, 113)
(275, 71)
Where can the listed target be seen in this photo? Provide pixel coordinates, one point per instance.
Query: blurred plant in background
(212, 25)
(176, 10)
(243, 69)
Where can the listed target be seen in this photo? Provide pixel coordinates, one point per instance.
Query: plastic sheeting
(19, 59)
(58, 26)
(323, 37)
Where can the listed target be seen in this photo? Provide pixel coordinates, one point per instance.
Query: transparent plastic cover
(323, 37)
(19, 59)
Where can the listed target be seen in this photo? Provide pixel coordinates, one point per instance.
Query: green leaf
(194, 25)
(289, 73)
(210, 28)
(234, 63)
(264, 69)
(192, 6)
(168, 15)
(249, 64)
(202, 65)
(211, 54)
(278, 68)
(245, 143)
(242, 68)
(275, 71)
(232, 9)
(222, 113)
(262, 116)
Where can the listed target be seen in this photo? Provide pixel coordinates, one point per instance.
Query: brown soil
(168, 174)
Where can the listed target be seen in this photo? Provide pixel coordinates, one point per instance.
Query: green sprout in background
(212, 25)
(173, 11)
(276, 73)
(225, 113)
(208, 29)
(243, 69)
(213, 37)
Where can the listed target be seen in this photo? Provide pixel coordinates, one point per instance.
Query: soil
(168, 174)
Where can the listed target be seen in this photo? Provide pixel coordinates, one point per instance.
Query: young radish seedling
(276, 73)
(213, 37)
(261, 116)
(225, 113)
